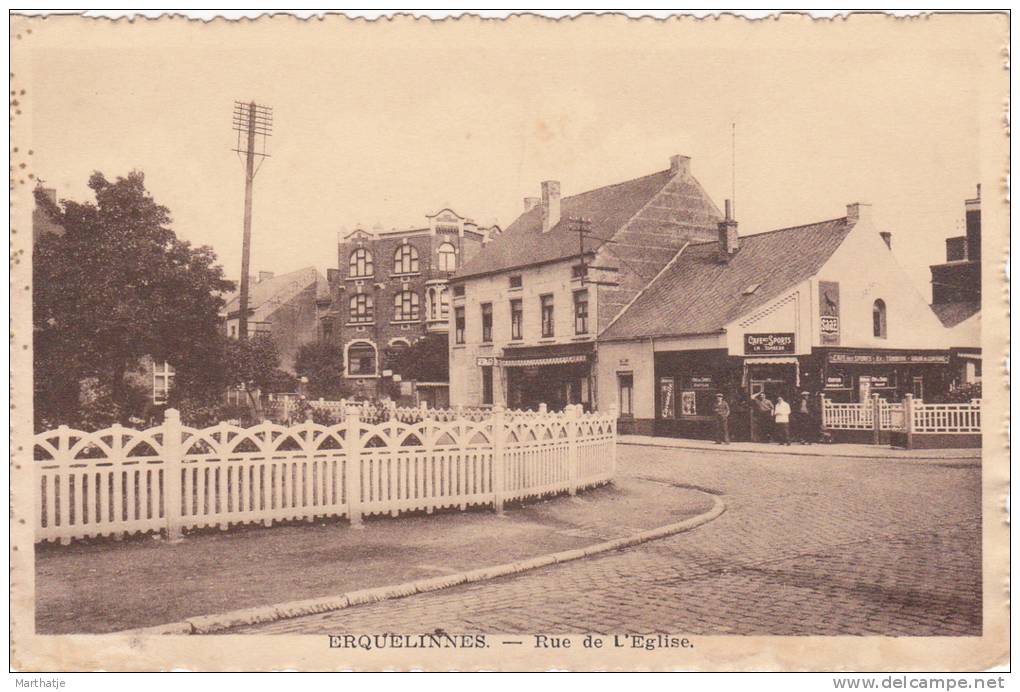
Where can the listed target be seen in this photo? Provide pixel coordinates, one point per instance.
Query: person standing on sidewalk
(721, 409)
(763, 412)
(802, 419)
(782, 414)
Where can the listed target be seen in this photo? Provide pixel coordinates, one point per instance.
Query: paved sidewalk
(105, 586)
(857, 451)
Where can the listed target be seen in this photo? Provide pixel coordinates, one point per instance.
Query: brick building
(528, 308)
(390, 289)
(284, 307)
(956, 294)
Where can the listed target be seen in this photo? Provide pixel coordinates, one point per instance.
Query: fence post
(572, 460)
(498, 457)
(173, 454)
(614, 416)
(876, 422)
(823, 424)
(542, 408)
(352, 477)
(908, 419)
(286, 410)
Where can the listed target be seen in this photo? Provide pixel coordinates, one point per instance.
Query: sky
(387, 122)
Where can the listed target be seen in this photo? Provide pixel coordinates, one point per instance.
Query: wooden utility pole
(250, 120)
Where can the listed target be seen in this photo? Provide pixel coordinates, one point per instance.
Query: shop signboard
(485, 361)
(837, 381)
(666, 397)
(889, 358)
(688, 404)
(828, 312)
(768, 344)
(698, 382)
(880, 381)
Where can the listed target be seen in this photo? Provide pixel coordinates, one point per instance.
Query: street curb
(767, 450)
(209, 624)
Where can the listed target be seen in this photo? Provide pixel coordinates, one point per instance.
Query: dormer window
(447, 257)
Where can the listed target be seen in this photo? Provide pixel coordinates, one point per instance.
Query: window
(458, 291)
(487, 385)
(878, 319)
(393, 353)
(327, 329)
(486, 322)
(578, 271)
(361, 308)
(405, 259)
(233, 331)
(361, 359)
(458, 328)
(515, 281)
(447, 257)
(516, 319)
(581, 312)
(547, 316)
(444, 304)
(361, 263)
(626, 382)
(406, 307)
(162, 379)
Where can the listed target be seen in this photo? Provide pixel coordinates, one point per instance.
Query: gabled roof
(700, 294)
(265, 296)
(609, 208)
(952, 314)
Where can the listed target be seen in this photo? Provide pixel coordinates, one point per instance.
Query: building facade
(390, 288)
(782, 312)
(956, 295)
(528, 308)
(286, 308)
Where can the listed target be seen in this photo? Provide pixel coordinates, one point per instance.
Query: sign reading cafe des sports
(768, 343)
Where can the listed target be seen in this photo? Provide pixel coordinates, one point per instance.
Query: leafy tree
(116, 286)
(426, 360)
(323, 364)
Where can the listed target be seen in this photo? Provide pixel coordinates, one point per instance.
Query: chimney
(678, 163)
(729, 241)
(858, 211)
(887, 237)
(264, 276)
(550, 204)
(530, 203)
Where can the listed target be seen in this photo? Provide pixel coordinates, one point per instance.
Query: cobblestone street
(807, 545)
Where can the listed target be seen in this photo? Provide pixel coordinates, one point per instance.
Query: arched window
(393, 352)
(405, 307)
(361, 263)
(447, 257)
(361, 359)
(361, 308)
(437, 303)
(878, 319)
(405, 260)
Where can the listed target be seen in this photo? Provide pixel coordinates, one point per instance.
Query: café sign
(889, 358)
(768, 344)
(701, 382)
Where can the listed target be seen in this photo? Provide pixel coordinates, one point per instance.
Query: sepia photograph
(510, 343)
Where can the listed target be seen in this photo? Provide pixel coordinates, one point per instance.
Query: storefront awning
(536, 362)
(771, 360)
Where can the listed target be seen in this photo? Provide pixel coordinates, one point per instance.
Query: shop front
(855, 375)
(555, 375)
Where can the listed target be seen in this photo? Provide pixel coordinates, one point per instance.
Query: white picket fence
(121, 481)
(922, 417)
(284, 408)
(947, 418)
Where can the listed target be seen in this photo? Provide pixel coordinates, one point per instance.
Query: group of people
(771, 421)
